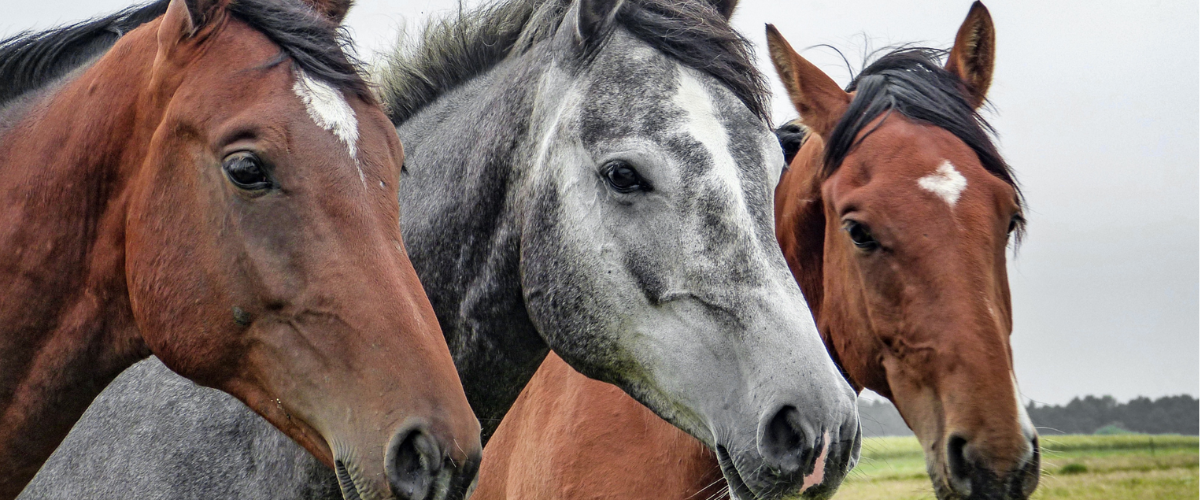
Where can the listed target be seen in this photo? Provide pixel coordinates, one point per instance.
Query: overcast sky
(1096, 104)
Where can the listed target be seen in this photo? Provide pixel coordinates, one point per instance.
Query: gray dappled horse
(586, 176)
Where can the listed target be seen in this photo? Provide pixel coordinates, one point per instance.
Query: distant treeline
(880, 418)
(1087, 415)
(1165, 415)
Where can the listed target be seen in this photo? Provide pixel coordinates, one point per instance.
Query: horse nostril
(413, 459)
(784, 444)
(960, 468)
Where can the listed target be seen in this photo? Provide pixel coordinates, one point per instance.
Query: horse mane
(457, 48)
(30, 60)
(791, 137)
(912, 82)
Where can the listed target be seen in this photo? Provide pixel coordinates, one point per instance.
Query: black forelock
(453, 50)
(29, 60)
(911, 81)
(314, 43)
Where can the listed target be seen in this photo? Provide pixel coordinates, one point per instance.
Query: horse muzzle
(794, 459)
(969, 476)
(417, 466)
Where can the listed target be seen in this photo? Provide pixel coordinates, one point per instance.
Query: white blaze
(703, 125)
(946, 182)
(773, 157)
(1022, 414)
(329, 109)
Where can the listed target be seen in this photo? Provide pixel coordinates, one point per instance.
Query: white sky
(1096, 104)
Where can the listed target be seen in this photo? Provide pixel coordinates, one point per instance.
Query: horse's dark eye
(860, 234)
(1015, 223)
(246, 172)
(623, 178)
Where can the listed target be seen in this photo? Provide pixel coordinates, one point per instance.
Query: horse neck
(66, 325)
(467, 160)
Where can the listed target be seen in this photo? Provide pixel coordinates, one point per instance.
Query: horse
(591, 177)
(895, 217)
(213, 183)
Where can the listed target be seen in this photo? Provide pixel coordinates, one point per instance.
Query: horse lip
(738, 489)
(349, 490)
(940, 479)
(441, 484)
(455, 487)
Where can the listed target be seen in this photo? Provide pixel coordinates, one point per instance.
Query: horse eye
(860, 234)
(623, 178)
(245, 171)
(1015, 222)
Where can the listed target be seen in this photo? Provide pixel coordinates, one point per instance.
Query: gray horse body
(499, 201)
(471, 250)
(154, 435)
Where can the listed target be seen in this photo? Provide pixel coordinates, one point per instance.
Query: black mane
(453, 50)
(319, 46)
(30, 60)
(911, 81)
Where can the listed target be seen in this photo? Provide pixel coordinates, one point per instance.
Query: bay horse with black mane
(212, 182)
(895, 217)
(588, 177)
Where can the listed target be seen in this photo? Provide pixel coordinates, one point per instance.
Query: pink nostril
(818, 473)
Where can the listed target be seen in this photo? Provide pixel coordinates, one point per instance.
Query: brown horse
(895, 218)
(219, 189)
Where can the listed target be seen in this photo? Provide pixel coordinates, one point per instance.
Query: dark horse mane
(455, 49)
(911, 81)
(30, 60)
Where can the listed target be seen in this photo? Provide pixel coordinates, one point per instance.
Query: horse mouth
(349, 491)
(1018, 485)
(738, 489)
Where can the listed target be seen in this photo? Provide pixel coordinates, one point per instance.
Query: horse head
(238, 185)
(896, 216)
(649, 253)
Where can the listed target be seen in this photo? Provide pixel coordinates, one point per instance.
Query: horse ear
(334, 10)
(177, 24)
(725, 7)
(817, 97)
(974, 54)
(595, 17)
(183, 18)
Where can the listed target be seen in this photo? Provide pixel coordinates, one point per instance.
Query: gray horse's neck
(461, 220)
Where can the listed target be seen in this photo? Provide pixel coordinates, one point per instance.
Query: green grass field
(1115, 467)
